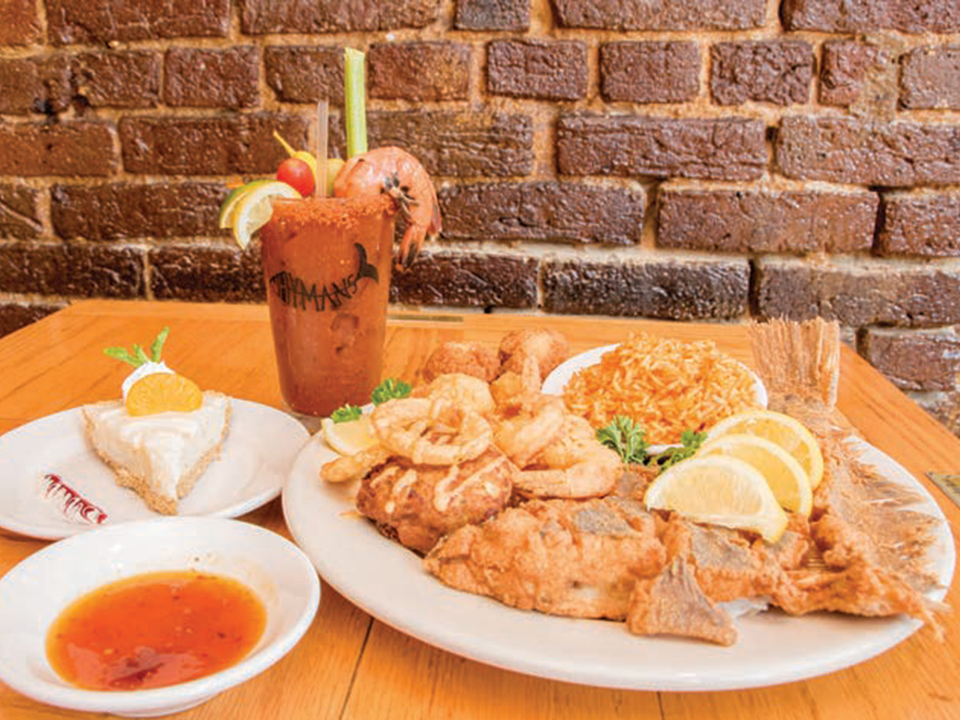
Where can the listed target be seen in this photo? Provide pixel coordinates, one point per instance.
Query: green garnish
(391, 389)
(627, 438)
(139, 357)
(690, 440)
(355, 90)
(347, 413)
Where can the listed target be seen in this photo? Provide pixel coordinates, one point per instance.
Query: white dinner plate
(389, 582)
(35, 592)
(255, 459)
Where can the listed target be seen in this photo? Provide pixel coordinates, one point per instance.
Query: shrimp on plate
(431, 432)
(392, 171)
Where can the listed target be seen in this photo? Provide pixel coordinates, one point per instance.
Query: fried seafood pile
(509, 495)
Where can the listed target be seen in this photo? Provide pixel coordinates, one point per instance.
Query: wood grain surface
(351, 666)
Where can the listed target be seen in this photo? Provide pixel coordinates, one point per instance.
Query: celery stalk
(355, 88)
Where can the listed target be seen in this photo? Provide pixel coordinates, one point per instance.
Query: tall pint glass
(326, 266)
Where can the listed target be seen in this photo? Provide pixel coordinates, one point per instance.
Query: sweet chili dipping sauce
(155, 629)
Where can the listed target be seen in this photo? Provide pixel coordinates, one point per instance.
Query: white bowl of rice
(666, 385)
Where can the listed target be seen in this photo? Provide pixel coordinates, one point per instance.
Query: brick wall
(682, 159)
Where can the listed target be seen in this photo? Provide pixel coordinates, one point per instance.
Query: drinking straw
(323, 111)
(355, 89)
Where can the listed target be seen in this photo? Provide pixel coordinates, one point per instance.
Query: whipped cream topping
(148, 368)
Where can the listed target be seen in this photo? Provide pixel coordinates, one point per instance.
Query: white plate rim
(12, 524)
(310, 525)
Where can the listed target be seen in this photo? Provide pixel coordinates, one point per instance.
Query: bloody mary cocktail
(326, 266)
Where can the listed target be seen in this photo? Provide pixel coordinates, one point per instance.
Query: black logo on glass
(295, 292)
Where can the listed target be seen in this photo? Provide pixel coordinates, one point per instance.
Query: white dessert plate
(34, 593)
(255, 459)
(389, 582)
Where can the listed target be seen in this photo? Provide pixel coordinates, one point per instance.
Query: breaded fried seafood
(465, 390)
(419, 504)
(469, 358)
(548, 347)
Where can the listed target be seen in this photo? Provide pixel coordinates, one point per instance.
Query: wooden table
(352, 666)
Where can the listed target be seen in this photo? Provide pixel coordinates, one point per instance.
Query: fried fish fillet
(563, 557)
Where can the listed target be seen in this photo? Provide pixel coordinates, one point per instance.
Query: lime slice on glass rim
(228, 209)
(252, 210)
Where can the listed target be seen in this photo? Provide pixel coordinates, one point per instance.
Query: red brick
(260, 17)
(672, 15)
(766, 221)
(551, 212)
(468, 280)
(924, 360)
(15, 315)
(854, 151)
(38, 84)
(545, 70)
(861, 16)
(126, 211)
(729, 149)
(305, 74)
(459, 144)
(850, 70)
(212, 78)
(208, 146)
(927, 224)
(21, 24)
(19, 212)
(120, 79)
(492, 15)
(69, 148)
(206, 274)
(419, 71)
(665, 289)
(868, 293)
(101, 21)
(650, 72)
(73, 270)
(931, 78)
(762, 71)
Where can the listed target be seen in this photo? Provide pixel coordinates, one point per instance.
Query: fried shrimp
(354, 467)
(431, 432)
(516, 390)
(463, 390)
(525, 435)
(576, 465)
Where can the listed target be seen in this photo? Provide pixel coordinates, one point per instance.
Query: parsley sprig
(389, 389)
(629, 440)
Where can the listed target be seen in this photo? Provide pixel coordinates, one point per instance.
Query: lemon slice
(348, 438)
(720, 491)
(253, 209)
(163, 392)
(783, 473)
(780, 429)
(228, 210)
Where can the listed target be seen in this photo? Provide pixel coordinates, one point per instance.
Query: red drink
(326, 265)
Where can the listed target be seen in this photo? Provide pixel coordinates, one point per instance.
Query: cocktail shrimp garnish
(392, 171)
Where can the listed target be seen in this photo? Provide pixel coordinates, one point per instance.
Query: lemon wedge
(780, 429)
(719, 491)
(348, 438)
(228, 210)
(783, 473)
(253, 208)
(163, 392)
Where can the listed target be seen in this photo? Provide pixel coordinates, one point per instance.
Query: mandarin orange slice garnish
(163, 392)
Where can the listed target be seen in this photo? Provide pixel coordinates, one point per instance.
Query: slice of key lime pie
(160, 438)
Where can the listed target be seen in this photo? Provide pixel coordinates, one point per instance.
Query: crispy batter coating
(548, 347)
(418, 504)
(562, 557)
(468, 358)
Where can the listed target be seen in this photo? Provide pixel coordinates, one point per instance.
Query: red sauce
(155, 629)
